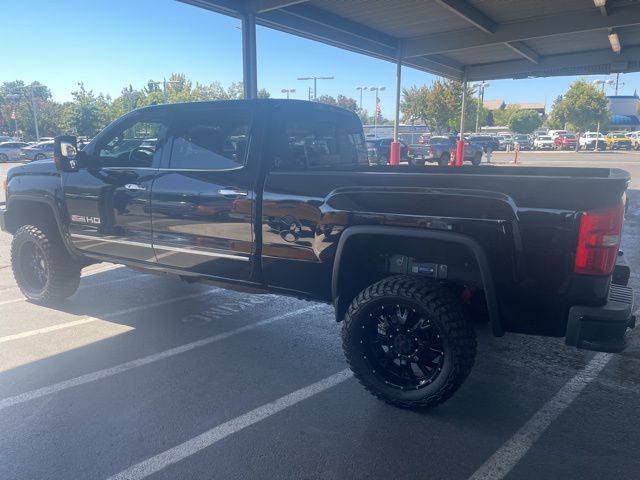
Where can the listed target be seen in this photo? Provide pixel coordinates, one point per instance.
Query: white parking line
(123, 367)
(190, 447)
(109, 282)
(511, 452)
(88, 319)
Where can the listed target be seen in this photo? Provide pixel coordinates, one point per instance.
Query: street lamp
(315, 83)
(288, 91)
(31, 88)
(480, 86)
(375, 114)
(604, 82)
(164, 83)
(361, 90)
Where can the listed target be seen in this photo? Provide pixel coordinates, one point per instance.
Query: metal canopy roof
(458, 39)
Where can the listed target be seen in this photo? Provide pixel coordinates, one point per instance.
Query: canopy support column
(394, 157)
(249, 63)
(460, 144)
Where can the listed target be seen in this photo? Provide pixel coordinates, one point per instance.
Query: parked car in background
(635, 140)
(618, 141)
(45, 139)
(487, 142)
(379, 149)
(588, 141)
(555, 133)
(424, 138)
(506, 141)
(10, 151)
(543, 142)
(566, 141)
(523, 142)
(39, 151)
(440, 148)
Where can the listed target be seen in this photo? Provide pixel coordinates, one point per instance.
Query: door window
(217, 141)
(131, 146)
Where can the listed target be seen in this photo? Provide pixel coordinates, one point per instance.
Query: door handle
(134, 187)
(232, 192)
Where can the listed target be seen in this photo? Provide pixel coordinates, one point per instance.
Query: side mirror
(65, 151)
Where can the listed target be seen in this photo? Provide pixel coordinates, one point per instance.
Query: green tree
(328, 99)
(581, 108)
(524, 121)
(87, 113)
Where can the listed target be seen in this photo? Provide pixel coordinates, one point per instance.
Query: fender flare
(405, 232)
(49, 202)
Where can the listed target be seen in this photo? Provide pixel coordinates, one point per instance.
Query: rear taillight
(599, 240)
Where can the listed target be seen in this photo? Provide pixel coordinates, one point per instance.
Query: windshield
(544, 138)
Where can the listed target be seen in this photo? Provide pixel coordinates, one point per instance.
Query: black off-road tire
(443, 161)
(442, 308)
(477, 159)
(39, 156)
(61, 276)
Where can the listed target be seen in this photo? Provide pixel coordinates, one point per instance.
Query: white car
(588, 141)
(543, 142)
(635, 140)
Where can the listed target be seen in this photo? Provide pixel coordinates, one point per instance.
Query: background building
(624, 112)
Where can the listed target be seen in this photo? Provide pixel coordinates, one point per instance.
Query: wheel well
(30, 212)
(366, 259)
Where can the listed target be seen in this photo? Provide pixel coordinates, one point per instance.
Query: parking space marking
(511, 452)
(123, 367)
(190, 447)
(109, 282)
(88, 319)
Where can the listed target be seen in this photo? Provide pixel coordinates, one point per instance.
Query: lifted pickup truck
(439, 150)
(275, 196)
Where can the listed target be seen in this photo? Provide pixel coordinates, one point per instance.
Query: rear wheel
(383, 160)
(43, 269)
(39, 156)
(443, 161)
(477, 159)
(3, 158)
(408, 341)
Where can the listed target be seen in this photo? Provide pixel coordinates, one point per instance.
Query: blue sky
(111, 44)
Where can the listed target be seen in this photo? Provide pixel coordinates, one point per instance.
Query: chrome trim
(200, 252)
(159, 247)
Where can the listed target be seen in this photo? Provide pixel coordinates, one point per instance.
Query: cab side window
(135, 145)
(217, 141)
(316, 144)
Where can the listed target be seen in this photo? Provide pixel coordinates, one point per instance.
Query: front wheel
(443, 161)
(408, 341)
(477, 159)
(39, 156)
(3, 158)
(41, 265)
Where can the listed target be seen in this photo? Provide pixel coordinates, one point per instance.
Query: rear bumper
(602, 328)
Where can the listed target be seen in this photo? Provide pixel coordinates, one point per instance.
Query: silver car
(10, 151)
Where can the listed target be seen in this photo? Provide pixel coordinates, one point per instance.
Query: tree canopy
(581, 108)
(439, 106)
(88, 112)
(524, 121)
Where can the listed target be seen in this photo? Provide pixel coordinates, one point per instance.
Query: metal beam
(249, 63)
(524, 50)
(261, 6)
(571, 22)
(583, 63)
(470, 13)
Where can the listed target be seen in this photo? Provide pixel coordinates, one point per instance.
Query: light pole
(33, 106)
(361, 90)
(480, 86)
(315, 83)
(288, 91)
(164, 83)
(375, 114)
(604, 82)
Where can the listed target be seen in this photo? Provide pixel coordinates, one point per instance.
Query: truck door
(107, 199)
(203, 199)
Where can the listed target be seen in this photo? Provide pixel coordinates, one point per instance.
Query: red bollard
(394, 157)
(452, 158)
(459, 153)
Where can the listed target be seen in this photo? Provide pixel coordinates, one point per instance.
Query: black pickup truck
(278, 196)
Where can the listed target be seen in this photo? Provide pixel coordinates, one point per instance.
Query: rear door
(203, 198)
(107, 200)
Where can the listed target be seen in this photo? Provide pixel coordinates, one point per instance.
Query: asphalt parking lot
(139, 376)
